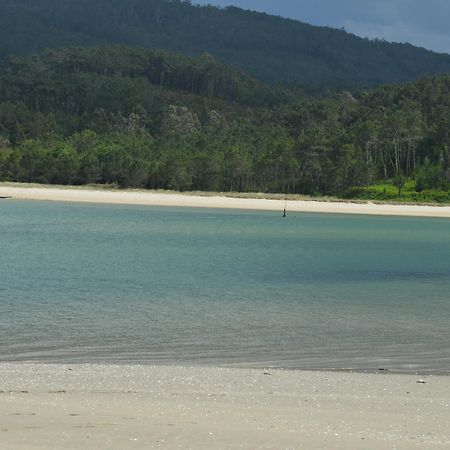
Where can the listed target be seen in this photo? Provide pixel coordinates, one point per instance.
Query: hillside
(146, 118)
(270, 48)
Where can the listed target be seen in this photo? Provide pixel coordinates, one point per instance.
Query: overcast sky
(421, 22)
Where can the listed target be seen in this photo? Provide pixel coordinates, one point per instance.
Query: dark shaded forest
(144, 118)
(270, 48)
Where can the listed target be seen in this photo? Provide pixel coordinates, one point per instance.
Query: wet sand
(144, 407)
(151, 198)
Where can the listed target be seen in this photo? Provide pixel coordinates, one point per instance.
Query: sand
(143, 407)
(150, 198)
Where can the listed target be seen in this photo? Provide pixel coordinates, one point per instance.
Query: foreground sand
(142, 407)
(151, 198)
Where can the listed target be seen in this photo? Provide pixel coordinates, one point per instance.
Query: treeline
(270, 48)
(38, 81)
(141, 118)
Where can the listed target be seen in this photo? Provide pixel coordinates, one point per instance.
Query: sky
(424, 23)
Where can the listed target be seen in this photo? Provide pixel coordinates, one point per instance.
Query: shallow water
(101, 283)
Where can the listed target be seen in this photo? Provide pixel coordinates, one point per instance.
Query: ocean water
(131, 284)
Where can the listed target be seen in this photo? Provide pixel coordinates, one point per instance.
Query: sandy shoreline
(142, 407)
(150, 198)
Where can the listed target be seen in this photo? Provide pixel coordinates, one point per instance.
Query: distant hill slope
(270, 48)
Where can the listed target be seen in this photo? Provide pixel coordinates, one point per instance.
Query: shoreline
(386, 371)
(76, 406)
(155, 198)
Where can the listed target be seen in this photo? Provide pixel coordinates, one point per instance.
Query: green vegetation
(270, 48)
(144, 118)
(409, 194)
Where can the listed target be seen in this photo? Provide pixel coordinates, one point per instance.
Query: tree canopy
(147, 118)
(270, 48)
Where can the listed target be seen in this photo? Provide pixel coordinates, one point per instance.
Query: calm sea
(101, 283)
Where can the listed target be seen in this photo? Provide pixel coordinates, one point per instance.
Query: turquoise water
(101, 283)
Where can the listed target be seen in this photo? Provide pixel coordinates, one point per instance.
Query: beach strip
(152, 198)
(45, 406)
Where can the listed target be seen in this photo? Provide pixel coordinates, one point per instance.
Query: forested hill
(202, 76)
(146, 118)
(270, 48)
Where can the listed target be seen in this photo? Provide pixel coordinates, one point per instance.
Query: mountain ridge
(270, 48)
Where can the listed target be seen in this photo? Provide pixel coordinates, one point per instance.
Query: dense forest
(270, 48)
(144, 118)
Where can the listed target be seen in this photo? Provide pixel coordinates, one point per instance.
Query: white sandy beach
(150, 198)
(141, 407)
